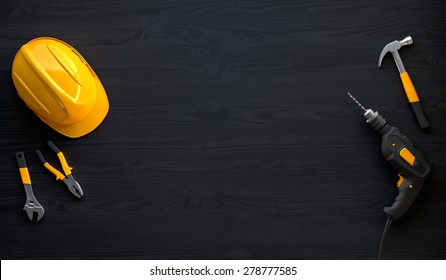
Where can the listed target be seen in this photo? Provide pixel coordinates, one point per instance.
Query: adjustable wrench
(32, 205)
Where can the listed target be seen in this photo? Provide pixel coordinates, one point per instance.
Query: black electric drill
(402, 154)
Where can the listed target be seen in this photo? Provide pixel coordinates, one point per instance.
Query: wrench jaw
(73, 186)
(32, 207)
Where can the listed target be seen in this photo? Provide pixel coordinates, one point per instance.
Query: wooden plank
(230, 134)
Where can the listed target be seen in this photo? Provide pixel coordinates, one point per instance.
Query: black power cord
(386, 228)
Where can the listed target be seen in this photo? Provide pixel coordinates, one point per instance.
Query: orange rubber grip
(25, 175)
(59, 176)
(411, 93)
(63, 162)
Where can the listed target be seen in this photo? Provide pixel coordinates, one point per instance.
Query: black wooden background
(230, 134)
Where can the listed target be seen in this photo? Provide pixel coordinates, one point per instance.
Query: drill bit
(357, 102)
(372, 117)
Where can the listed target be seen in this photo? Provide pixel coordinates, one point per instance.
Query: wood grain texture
(230, 134)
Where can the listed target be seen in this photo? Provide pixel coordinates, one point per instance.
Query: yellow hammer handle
(411, 93)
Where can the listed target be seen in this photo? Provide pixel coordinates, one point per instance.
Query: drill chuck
(376, 121)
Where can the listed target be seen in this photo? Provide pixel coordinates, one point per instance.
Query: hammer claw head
(390, 47)
(393, 47)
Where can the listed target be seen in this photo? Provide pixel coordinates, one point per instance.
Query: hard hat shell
(58, 84)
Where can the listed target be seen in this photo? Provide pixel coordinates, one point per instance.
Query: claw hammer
(411, 93)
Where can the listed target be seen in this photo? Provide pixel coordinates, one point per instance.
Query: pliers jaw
(73, 186)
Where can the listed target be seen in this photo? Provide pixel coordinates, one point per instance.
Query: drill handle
(408, 190)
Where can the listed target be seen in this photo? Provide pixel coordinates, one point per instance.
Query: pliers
(68, 179)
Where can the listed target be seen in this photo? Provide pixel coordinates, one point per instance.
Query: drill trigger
(400, 180)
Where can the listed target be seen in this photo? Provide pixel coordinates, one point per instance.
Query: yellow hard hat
(59, 86)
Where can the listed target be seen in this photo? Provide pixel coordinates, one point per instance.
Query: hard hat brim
(91, 121)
